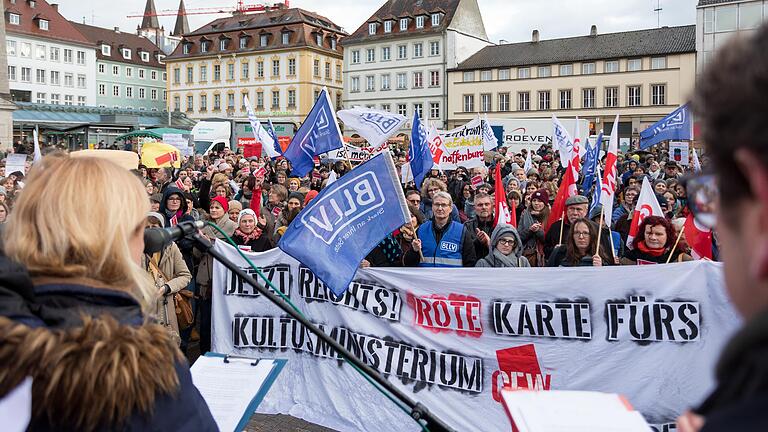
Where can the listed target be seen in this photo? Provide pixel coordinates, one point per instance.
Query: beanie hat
(297, 195)
(157, 216)
(222, 201)
(541, 195)
(245, 213)
(235, 204)
(310, 196)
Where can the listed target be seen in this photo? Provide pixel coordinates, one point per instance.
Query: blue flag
(271, 132)
(591, 158)
(676, 126)
(318, 134)
(595, 193)
(418, 153)
(346, 221)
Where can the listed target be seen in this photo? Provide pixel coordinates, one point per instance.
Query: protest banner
(181, 142)
(357, 154)
(15, 162)
(452, 338)
(463, 146)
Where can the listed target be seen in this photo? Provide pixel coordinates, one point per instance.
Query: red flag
(502, 210)
(647, 205)
(567, 189)
(698, 238)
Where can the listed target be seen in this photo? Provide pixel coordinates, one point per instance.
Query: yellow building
(280, 59)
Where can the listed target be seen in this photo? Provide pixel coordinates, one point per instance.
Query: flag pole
(599, 234)
(679, 236)
(562, 223)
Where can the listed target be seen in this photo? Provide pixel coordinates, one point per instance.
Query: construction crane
(240, 8)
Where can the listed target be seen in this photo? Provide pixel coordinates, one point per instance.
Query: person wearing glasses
(428, 190)
(580, 247)
(730, 105)
(507, 249)
(442, 242)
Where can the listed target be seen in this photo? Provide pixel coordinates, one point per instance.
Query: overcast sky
(511, 20)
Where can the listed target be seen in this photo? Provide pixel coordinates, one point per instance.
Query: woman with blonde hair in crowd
(79, 325)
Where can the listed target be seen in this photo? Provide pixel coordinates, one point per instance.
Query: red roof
(58, 26)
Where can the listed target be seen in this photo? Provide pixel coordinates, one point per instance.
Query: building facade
(130, 72)
(642, 75)
(718, 20)
(397, 60)
(280, 59)
(49, 61)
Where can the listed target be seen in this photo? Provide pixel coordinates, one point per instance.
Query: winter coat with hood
(77, 337)
(496, 259)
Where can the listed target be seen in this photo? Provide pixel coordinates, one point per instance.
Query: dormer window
(372, 28)
(435, 19)
(403, 24)
(187, 48)
(126, 53)
(420, 22)
(43, 24)
(144, 56)
(32, 4)
(243, 41)
(387, 26)
(319, 39)
(14, 19)
(333, 43)
(106, 50)
(286, 38)
(204, 45)
(160, 58)
(223, 45)
(263, 40)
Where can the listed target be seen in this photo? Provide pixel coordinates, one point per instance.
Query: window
(153, 94)
(402, 109)
(12, 73)
(633, 96)
(129, 92)
(40, 76)
(263, 39)
(14, 19)
(286, 38)
(370, 55)
(275, 99)
(725, 18)
(545, 71)
(469, 103)
(291, 98)
(504, 74)
(565, 99)
(276, 68)
(259, 69)
(523, 101)
(355, 87)
(469, 76)
(709, 20)
(81, 100)
(26, 49)
(587, 68)
(544, 100)
(418, 108)
(81, 57)
(338, 71)
(165, 76)
(749, 15)
(230, 71)
(634, 65)
(486, 75)
(55, 80)
(204, 47)
(403, 24)
(217, 72)
(116, 91)
(434, 110)
(523, 72)
(154, 75)
(126, 53)
(10, 48)
(435, 19)
(658, 62)
(316, 68)
(245, 70)
(385, 82)
(115, 70)
(434, 78)
(128, 71)
(81, 81)
(418, 79)
(141, 93)
(40, 98)
(186, 48)
(485, 102)
(420, 21)
(69, 100)
(611, 97)
(566, 69)
(658, 94)
(260, 100)
(384, 107)
(402, 52)
(231, 101)
(503, 101)
(223, 44)
(26, 74)
(40, 52)
(243, 42)
(612, 66)
(101, 68)
(401, 81)
(385, 53)
(176, 103)
(102, 90)
(203, 73)
(588, 98)
(370, 83)
(355, 57)
(67, 55)
(176, 75)
(190, 74)
(434, 48)
(43, 24)
(388, 26)
(55, 98)
(203, 102)
(371, 28)
(190, 103)
(69, 80)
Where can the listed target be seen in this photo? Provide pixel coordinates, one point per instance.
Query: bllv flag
(591, 159)
(346, 221)
(373, 125)
(562, 142)
(678, 125)
(269, 144)
(418, 154)
(318, 134)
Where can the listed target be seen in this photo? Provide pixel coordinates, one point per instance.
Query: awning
(156, 133)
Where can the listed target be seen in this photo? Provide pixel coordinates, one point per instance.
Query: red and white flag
(698, 238)
(436, 145)
(503, 214)
(567, 189)
(610, 174)
(647, 205)
(577, 150)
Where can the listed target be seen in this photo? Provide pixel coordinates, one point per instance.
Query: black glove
(167, 290)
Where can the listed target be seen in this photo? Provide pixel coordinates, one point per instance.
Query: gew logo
(449, 246)
(384, 124)
(318, 131)
(355, 198)
(676, 120)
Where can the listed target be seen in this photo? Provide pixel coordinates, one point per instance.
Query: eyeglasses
(414, 201)
(433, 190)
(440, 205)
(174, 199)
(703, 198)
(507, 242)
(581, 234)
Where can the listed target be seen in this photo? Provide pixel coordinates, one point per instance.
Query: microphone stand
(417, 410)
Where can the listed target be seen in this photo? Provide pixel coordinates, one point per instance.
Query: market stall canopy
(156, 133)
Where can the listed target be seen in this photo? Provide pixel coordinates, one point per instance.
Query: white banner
(451, 338)
(463, 146)
(375, 126)
(356, 154)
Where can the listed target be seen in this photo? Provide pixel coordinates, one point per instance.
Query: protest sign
(679, 152)
(357, 154)
(181, 142)
(463, 146)
(452, 338)
(15, 162)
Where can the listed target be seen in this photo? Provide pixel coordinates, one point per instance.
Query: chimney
(503, 41)
(593, 31)
(117, 29)
(535, 36)
(55, 6)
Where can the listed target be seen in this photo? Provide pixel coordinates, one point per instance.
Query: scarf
(496, 257)
(391, 249)
(247, 238)
(255, 203)
(173, 220)
(652, 252)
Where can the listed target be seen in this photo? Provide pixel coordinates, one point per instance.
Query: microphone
(156, 239)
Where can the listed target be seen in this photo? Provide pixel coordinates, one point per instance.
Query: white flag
(696, 163)
(268, 143)
(38, 154)
(373, 125)
(528, 162)
(562, 142)
(489, 139)
(647, 205)
(331, 178)
(610, 175)
(436, 145)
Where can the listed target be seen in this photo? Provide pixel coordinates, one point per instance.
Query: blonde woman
(78, 327)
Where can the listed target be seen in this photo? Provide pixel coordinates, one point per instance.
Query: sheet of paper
(228, 388)
(15, 162)
(16, 407)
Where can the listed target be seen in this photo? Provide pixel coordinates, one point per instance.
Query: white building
(718, 20)
(49, 61)
(397, 60)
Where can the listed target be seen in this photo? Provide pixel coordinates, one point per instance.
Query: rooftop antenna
(658, 13)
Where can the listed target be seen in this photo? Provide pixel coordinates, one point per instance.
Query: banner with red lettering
(452, 338)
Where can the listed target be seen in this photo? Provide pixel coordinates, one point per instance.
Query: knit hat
(157, 198)
(235, 204)
(245, 213)
(222, 201)
(157, 216)
(298, 195)
(310, 196)
(541, 195)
